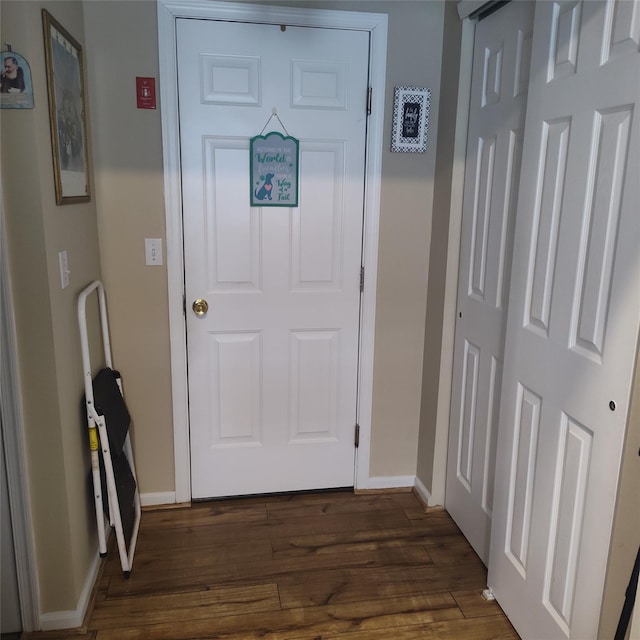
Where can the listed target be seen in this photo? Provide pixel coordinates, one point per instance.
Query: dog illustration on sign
(266, 190)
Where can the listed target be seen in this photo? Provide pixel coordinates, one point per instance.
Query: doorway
(375, 26)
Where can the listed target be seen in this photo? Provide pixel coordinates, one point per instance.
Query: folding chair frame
(98, 439)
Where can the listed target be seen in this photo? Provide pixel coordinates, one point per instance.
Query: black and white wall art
(410, 119)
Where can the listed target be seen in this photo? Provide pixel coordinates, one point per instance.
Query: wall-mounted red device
(146, 93)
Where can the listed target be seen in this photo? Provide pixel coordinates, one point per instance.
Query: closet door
(573, 321)
(500, 79)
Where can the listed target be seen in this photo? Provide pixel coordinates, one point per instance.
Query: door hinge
(361, 279)
(356, 441)
(369, 100)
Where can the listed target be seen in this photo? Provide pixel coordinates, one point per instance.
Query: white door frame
(443, 410)
(15, 451)
(376, 25)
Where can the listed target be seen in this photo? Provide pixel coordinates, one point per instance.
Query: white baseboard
(423, 492)
(154, 499)
(74, 618)
(387, 482)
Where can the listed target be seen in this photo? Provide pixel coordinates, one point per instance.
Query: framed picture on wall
(16, 88)
(410, 119)
(65, 84)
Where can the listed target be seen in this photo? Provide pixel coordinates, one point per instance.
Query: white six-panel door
(500, 80)
(573, 320)
(273, 364)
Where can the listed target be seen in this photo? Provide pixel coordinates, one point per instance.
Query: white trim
(15, 451)
(377, 69)
(376, 25)
(75, 617)
(424, 494)
(155, 499)
(175, 258)
(388, 482)
(468, 7)
(438, 484)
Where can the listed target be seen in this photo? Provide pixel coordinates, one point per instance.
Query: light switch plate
(65, 272)
(153, 251)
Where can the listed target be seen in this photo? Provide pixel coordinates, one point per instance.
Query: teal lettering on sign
(274, 170)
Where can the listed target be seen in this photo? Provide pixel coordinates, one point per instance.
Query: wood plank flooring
(319, 566)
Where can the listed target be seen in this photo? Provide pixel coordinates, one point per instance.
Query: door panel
(314, 385)
(273, 363)
(232, 251)
(234, 365)
(573, 320)
(496, 121)
(317, 234)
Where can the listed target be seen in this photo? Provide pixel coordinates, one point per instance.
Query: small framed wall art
(410, 119)
(65, 82)
(16, 89)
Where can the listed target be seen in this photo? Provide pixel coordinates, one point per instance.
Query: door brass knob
(200, 307)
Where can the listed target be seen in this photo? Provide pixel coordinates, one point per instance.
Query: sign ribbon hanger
(274, 114)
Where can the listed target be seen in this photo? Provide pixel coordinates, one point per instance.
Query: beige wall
(128, 160)
(127, 151)
(415, 53)
(47, 335)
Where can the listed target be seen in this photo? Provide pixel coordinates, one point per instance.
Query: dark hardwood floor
(308, 566)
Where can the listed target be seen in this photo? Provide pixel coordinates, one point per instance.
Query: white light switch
(65, 272)
(153, 251)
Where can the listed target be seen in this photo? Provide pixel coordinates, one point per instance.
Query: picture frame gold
(67, 112)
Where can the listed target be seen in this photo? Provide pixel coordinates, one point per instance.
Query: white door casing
(573, 321)
(273, 363)
(500, 79)
(15, 462)
(10, 617)
(376, 26)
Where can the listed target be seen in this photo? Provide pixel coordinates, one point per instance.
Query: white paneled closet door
(573, 321)
(500, 80)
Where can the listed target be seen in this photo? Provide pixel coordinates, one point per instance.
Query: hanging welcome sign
(274, 170)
